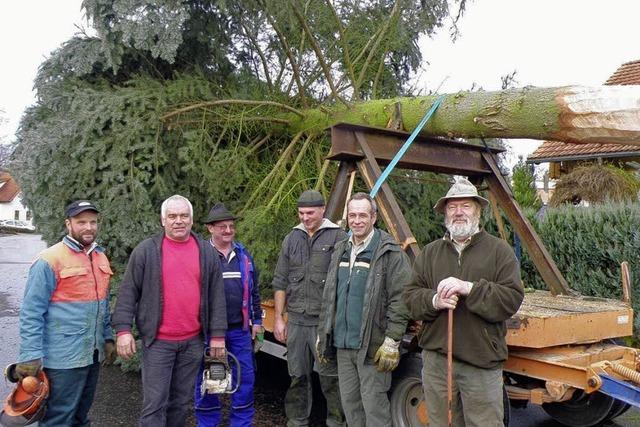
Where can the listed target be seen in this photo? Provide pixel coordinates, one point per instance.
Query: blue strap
(405, 147)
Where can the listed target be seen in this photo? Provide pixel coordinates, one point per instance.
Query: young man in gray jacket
(363, 317)
(298, 283)
(173, 288)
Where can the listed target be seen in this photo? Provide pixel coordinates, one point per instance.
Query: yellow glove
(109, 353)
(388, 356)
(321, 357)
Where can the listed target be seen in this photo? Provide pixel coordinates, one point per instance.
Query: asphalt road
(118, 399)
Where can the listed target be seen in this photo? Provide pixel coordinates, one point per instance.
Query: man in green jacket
(476, 275)
(363, 317)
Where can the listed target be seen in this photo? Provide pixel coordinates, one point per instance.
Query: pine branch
(292, 61)
(263, 59)
(231, 102)
(281, 160)
(292, 169)
(345, 50)
(318, 51)
(394, 13)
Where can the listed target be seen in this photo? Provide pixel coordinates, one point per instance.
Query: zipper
(346, 310)
(95, 286)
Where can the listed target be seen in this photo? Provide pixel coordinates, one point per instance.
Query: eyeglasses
(223, 227)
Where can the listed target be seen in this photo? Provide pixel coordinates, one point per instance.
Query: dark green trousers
(301, 359)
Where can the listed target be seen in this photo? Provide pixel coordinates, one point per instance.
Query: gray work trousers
(363, 390)
(301, 359)
(477, 393)
(169, 370)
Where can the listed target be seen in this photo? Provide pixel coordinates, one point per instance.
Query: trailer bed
(546, 320)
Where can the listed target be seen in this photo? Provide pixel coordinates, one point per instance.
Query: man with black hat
(244, 321)
(478, 276)
(65, 327)
(298, 284)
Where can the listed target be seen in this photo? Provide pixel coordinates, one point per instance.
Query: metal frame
(366, 148)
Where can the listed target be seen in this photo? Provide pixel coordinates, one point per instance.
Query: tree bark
(605, 114)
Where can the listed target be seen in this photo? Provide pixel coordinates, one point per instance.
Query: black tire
(582, 410)
(507, 407)
(407, 396)
(619, 407)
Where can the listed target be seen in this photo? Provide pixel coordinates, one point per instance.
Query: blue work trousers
(208, 408)
(71, 395)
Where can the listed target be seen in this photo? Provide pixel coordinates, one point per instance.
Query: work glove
(28, 369)
(109, 353)
(388, 356)
(258, 342)
(321, 357)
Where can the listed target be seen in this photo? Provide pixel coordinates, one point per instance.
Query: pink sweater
(181, 290)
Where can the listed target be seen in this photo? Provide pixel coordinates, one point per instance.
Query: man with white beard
(478, 277)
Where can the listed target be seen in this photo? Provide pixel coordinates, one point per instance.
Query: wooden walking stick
(450, 366)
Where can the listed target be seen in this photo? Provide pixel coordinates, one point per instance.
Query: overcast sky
(548, 42)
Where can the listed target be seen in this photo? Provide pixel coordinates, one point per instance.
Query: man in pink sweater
(173, 288)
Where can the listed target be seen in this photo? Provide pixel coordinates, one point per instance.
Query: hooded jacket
(302, 267)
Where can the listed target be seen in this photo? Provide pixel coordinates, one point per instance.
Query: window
(28, 215)
(16, 215)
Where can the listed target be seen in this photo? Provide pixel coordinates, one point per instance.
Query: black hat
(310, 199)
(219, 212)
(78, 207)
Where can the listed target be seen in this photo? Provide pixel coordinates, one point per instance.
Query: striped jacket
(64, 317)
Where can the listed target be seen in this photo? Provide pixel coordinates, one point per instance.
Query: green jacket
(384, 313)
(302, 267)
(479, 328)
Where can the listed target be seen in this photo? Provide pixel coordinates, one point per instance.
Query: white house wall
(7, 209)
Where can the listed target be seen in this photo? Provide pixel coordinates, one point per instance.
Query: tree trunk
(605, 114)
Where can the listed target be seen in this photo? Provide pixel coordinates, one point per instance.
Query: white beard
(462, 231)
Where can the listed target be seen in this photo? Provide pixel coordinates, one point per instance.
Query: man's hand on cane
(448, 293)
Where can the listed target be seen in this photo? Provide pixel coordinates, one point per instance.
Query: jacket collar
(325, 224)
(75, 246)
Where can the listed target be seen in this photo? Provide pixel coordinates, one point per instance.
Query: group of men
(342, 304)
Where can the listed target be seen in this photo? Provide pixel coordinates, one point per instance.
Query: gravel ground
(119, 397)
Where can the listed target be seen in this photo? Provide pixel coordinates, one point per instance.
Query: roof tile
(10, 189)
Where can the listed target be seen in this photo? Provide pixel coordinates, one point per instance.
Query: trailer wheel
(619, 407)
(408, 408)
(582, 410)
(406, 396)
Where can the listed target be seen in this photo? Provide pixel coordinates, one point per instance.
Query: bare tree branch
(231, 102)
(318, 51)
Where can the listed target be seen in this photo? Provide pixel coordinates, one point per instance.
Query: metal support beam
(339, 191)
(387, 203)
(530, 239)
(432, 154)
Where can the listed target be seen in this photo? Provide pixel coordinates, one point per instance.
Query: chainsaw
(217, 374)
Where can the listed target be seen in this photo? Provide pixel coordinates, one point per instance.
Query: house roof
(627, 74)
(9, 188)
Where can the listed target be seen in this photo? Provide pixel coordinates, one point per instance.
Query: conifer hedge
(588, 244)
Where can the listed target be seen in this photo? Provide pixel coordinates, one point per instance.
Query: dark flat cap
(310, 199)
(219, 212)
(79, 206)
